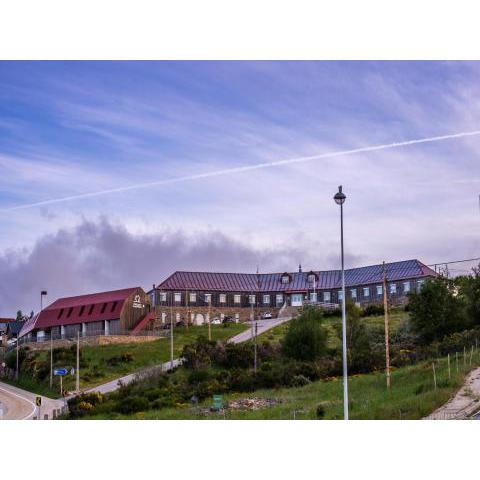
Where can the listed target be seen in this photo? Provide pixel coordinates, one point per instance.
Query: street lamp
(340, 200)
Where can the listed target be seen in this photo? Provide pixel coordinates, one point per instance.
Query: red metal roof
(272, 282)
(80, 309)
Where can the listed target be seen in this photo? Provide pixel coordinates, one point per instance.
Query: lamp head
(340, 196)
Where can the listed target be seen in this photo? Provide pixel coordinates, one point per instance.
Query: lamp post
(340, 200)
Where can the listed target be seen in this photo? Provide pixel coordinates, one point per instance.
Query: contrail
(247, 168)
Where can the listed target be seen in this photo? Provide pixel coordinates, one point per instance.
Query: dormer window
(285, 278)
(312, 277)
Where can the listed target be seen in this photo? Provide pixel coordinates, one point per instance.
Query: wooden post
(434, 375)
(448, 361)
(387, 342)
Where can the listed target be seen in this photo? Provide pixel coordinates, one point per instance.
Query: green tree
(19, 316)
(360, 354)
(306, 337)
(469, 291)
(436, 310)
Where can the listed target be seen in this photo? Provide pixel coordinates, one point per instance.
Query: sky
(154, 136)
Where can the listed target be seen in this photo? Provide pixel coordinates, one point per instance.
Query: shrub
(373, 310)
(320, 410)
(300, 381)
(306, 337)
(200, 353)
(436, 311)
(132, 405)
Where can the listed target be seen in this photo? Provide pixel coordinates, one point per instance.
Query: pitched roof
(80, 309)
(299, 281)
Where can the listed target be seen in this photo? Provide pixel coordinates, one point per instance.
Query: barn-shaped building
(106, 313)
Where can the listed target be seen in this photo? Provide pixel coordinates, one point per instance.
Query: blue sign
(60, 371)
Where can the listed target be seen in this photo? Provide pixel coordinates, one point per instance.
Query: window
(163, 296)
(208, 298)
(251, 299)
(393, 288)
(61, 313)
(313, 297)
(114, 306)
(266, 299)
(379, 289)
(104, 307)
(340, 295)
(420, 284)
(366, 292)
(223, 298)
(91, 309)
(279, 299)
(311, 277)
(152, 298)
(353, 292)
(285, 279)
(193, 297)
(178, 297)
(70, 310)
(326, 297)
(236, 299)
(406, 287)
(81, 310)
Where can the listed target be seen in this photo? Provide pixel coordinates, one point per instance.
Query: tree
(19, 316)
(469, 292)
(360, 354)
(436, 310)
(306, 337)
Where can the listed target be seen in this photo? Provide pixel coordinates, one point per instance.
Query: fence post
(434, 376)
(449, 374)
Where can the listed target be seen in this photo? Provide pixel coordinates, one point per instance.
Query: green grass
(412, 396)
(396, 319)
(98, 371)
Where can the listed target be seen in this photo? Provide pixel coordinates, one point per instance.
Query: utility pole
(51, 358)
(16, 371)
(209, 319)
(187, 304)
(171, 330)
(255, 349)
(387, 340)
(77, 385)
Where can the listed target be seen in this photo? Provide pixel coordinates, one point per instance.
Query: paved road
(262, 326)
(18, 404)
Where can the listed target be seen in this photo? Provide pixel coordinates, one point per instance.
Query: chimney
(299, 268)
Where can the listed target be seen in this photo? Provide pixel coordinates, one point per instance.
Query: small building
(4, 322)
(106, 313)
(196, 296)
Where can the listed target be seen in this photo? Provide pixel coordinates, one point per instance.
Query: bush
(373, 310)
(436, 311)
(306, 338)
(200, 353)
(132, 405)
(320, 410)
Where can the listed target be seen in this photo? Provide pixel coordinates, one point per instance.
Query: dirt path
(464, 403)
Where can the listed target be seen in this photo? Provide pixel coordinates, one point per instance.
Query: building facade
(106, 313)
(197, 296)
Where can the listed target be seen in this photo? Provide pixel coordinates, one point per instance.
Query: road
(18, 404)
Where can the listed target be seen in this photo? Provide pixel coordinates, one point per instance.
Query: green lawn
(396, 319)
(412, 396)
(99, 367)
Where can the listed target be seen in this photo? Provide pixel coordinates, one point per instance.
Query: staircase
(288, 311)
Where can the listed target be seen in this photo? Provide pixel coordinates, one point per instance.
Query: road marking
(22, 398)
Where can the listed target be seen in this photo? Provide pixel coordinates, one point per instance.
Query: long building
(196, 296)
(106, 313)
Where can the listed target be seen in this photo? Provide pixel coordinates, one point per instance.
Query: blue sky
(68, 128)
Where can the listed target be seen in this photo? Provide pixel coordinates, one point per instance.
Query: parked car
(216, 321)
(180, 323)
(227, 319)
(267, 315)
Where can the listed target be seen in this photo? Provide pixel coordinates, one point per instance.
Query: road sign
(60, 372)
(38, 401)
